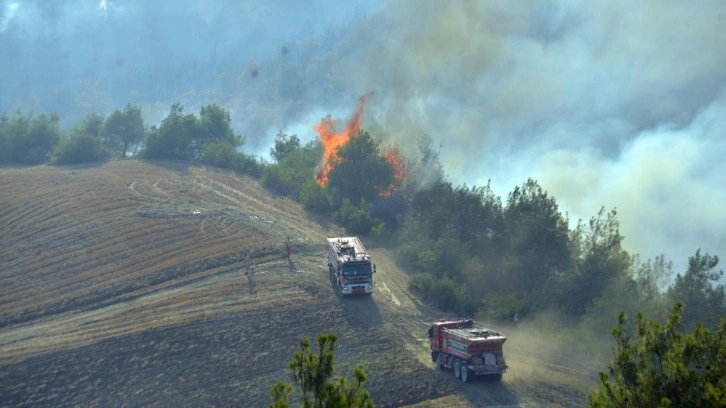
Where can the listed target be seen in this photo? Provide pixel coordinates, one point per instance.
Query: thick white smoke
(613, 104)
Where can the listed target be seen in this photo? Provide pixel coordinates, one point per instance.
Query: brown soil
(138, 283)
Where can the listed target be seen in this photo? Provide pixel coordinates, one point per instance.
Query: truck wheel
(457, 369)
(440, 361)
(497, 377)
(465, 373)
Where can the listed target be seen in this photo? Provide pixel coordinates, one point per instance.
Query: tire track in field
(221, 293)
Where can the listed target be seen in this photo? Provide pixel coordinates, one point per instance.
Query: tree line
(26, 139)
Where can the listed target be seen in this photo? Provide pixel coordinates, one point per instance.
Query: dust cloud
(542, 349)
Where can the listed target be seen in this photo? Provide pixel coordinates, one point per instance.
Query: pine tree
(313, 374)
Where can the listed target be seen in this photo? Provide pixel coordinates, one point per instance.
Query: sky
(613, 104)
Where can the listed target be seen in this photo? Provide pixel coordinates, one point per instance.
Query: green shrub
(277, 178)
(314, 198)
(224, 155)
(82, 148)
(354, 219)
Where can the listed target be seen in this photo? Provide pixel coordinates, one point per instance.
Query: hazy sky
(618, 104)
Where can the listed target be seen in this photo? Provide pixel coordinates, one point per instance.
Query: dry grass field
(136, 283)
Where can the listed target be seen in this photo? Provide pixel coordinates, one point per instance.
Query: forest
(468, 251)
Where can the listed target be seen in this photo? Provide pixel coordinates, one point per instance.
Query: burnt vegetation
(467, 250)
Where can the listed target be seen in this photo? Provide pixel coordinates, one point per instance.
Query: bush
(277, 179)
(220, 155)
(314, 198)
(4, 138)
(28, 140)
(79, 149)
(356, 220)
(422, 284)
(224, 155)
(500, 308)
(446, 294)
(249, 165)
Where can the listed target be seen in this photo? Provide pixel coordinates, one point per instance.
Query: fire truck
(350, 266)
(468, 349)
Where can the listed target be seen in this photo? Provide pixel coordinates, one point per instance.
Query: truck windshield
(361, 269)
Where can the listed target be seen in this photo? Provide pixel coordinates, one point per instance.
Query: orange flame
(400, 171)
(333, 140)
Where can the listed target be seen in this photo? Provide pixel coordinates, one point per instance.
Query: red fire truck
(468, 349)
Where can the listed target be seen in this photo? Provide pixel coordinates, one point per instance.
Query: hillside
(138, 283)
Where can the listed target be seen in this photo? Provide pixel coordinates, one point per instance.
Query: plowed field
(137, 283)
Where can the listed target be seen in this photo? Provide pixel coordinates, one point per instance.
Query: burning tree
(357, 177)
(357, 163)
(332, 140)
(358, 170)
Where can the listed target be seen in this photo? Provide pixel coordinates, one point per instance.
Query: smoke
(8, 13)
(615, 104)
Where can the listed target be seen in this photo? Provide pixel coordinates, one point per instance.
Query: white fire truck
(350, 266)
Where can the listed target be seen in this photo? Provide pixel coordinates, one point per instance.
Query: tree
(284, 145)
(600, 259)
(30, 140)
(175, 136)
(357, 219)
(295, 167)
(652, 278)
(123, 130)
(660, 366)
(183, 136)
(214, 126)
(224, 155)
(699, 289)
(83, 144)
(91, 125)
(313, 374)
(313, 197)
(80, 148)
(473, 215)
(4, 138)
(427, 170)
(360, 172)
(539, 238)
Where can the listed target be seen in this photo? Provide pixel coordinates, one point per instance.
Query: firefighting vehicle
(468, 349)
(350, 266)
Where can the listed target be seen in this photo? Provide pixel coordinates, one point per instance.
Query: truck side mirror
(374, 268)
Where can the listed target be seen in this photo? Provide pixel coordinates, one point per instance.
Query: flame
(400, 171)
(393, 157)
(333, 140)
